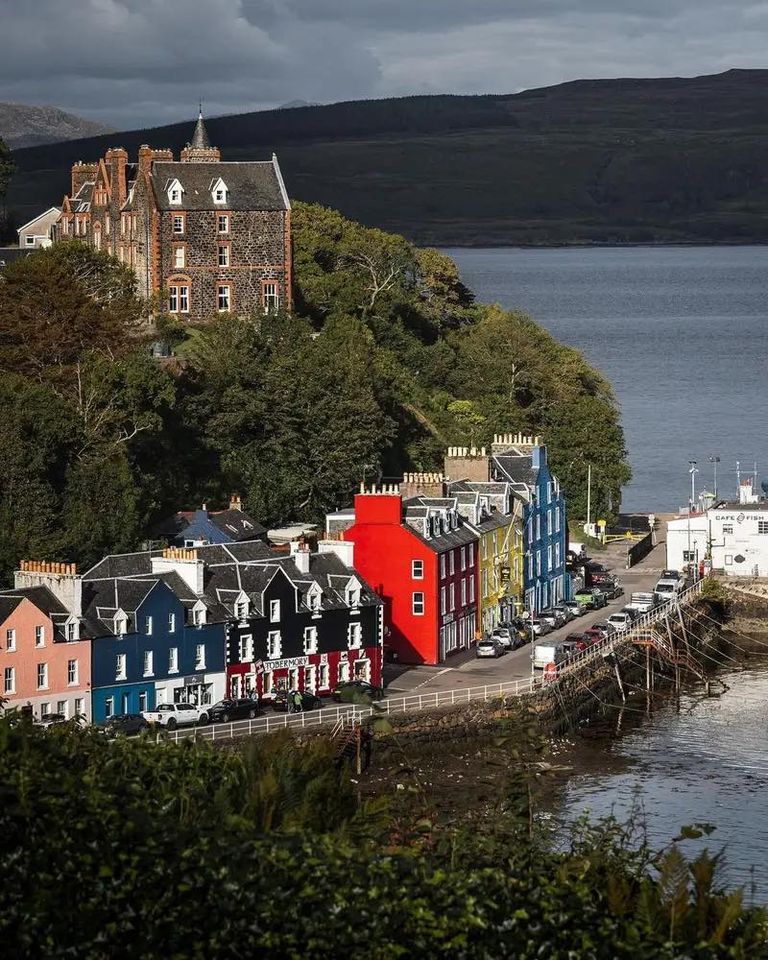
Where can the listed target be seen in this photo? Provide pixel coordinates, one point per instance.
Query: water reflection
(706, 763)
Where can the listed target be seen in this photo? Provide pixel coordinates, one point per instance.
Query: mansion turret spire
(199, 149)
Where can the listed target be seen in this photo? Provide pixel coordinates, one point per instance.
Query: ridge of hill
(24, 125)
(626, 160)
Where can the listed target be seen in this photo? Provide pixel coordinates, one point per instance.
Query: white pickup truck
(172, 715)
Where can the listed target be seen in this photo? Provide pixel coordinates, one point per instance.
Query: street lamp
(693, 471)
(714, 461)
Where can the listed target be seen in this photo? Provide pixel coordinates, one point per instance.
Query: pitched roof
(237, 524)
(516, 469)
(7, 606)
(200, 139)
(252, 185)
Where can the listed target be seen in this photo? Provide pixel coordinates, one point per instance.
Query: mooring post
(618, 678)
(648, 678)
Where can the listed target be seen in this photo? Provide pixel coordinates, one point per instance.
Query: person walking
(297, 701)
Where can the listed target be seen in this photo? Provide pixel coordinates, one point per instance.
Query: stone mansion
(203, 236)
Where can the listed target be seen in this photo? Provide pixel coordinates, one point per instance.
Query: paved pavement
(467, 670)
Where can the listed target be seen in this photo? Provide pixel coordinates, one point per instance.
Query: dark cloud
(140, 62)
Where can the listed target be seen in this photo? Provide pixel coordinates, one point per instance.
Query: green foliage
(386, 361)
(264, 850)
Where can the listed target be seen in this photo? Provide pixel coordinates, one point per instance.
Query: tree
(57, 304)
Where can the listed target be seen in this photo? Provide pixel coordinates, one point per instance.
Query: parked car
(50, 719)
(353, 691)
(228, 709)
(309, 701)
(577, 640)
(566, 611)
(540, 628)
(600, 598)
(172, 715)
(489, 647)
(667, 590)
(125, 724)
(594, 635)
(575, 607)
(670, 575)
(545, 653)
(604, 627)
(553, 617)
(571, 647)
(642, 602)
(612, 588)
(504, 636)
(586, 599)
(621, 621)
(634, 614)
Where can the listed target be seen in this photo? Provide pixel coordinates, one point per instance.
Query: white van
(544, 653)
(620, 621)
(666, 590)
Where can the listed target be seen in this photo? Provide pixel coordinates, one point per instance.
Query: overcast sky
(130, 63)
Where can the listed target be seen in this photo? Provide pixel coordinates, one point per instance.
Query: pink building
(43, 661)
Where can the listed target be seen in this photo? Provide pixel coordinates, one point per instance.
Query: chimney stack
(235, 502)
(300, 554)
(60, 578)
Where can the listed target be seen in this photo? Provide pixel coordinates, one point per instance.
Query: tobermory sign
(286, 664)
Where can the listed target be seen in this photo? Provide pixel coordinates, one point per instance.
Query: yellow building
(496, 515)
(500, 566)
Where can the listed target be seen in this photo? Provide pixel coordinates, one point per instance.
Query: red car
(594, 635)
(580, 639)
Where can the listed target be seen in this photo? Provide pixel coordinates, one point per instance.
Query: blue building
(195, 528)
(156, 639)
(522, 461)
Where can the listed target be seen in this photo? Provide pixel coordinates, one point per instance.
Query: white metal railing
(342, 716)
(641, 624)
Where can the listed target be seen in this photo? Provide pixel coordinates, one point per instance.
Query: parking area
(468, 670)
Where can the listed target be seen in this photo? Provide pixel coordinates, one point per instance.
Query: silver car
(540, 628)
(576, 609)
(490, 647)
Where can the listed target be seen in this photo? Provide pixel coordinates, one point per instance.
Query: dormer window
(353, 593)
(314, 598)
(175, 192)
(199, 614)
(219, 191)
(72, 629)
(121, 626)
(241, 607)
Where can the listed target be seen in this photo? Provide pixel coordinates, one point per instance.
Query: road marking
(433, 677)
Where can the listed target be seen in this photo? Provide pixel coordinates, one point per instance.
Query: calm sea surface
(681, 333)
(707, 763)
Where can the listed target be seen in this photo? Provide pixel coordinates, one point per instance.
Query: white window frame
(274, 645)
(179, 225)
(463, 591)
(173, 660)
(199, 656)
(417, 569)
(40, 635)
(10, 641)
(241, 610)
(463, 558)
(121, 666)
(149, 663)
(109, 707)
(323, 676)
(274, 611)
(342, 671)
(224, 296)
(9, 680)
(354, 636)
(245, 648)
(179, 257)
(310, 640)
(222, 218)
(418, 603)
(270, 293)
(171, 623)
(353, 595)
(148, 625)
(224, 255)
(442, 566)
(199, 616)
(73, 673)
(42, 676)
(452, 562)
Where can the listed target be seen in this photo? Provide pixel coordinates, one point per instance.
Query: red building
(421, 559)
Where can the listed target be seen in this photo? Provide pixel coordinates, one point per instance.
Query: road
(471, 671)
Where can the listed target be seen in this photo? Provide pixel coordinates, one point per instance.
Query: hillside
(668, 160)
(22, 125)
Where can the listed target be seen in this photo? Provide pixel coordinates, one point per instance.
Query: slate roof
(237, 524)
(81, 202)
(252, 185)
(7, 606)
(516, 469)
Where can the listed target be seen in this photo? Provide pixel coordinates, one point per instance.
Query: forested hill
(604, 160)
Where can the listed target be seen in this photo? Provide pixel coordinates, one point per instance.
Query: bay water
(681, 333)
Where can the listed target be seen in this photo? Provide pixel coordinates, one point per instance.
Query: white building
(687, 541)
(732, 535)
(37, 232)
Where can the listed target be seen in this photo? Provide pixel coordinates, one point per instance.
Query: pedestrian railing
(342, 716)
